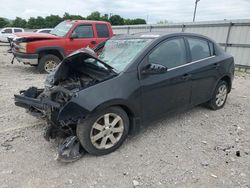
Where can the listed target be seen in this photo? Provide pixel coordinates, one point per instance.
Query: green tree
(94, 16)
(19, 22)
(40, 22)
(105, 17)
(67, 16)
(52, 20)
(3, 22)
(134, 21)
(116, 20)
(138, 21)
(31, 24)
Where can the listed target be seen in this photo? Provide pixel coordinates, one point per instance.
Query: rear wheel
(219, 97)
(104, 132)
(47, 63)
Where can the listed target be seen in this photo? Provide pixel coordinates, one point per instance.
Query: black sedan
(135, 79)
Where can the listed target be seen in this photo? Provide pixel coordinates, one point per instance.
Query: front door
(169, 91)
(82, 37)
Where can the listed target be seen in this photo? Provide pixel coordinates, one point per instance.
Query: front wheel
(104, 132)
(47, 63)
(219, 97)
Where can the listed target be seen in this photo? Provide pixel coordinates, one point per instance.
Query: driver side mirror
(74, 36)
(153, 68)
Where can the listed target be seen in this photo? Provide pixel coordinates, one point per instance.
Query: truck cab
(9, 32)
(47, 50)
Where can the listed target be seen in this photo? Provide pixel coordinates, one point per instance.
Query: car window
(45, 31)
(18, 30)
(7, 31)
(84, 31)
(199, 48)
(171, 53)
(102, 30)
(211, 47)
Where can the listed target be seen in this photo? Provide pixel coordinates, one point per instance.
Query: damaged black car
(95, 100)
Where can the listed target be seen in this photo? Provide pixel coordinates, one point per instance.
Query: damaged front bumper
(41, 106)
(37, 106)
(28, 102)
(30, 59)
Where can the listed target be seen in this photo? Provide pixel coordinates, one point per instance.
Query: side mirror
(153, 68)
(74, 36)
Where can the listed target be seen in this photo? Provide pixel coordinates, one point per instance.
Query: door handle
(186, 76)
(93, 42)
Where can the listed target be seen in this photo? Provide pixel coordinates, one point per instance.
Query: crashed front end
(54, 106)
(54, 102)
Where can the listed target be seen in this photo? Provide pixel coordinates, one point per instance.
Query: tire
(47, 63)
(214, 103)
(88, 131)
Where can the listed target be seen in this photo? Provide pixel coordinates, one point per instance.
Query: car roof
(44, 29)
(156, 35)
(12, 28)
(86, 21)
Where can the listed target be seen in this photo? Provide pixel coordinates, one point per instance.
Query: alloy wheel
(107, 131)
(221, 95)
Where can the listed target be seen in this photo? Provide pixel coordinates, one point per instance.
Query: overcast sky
(153, 10)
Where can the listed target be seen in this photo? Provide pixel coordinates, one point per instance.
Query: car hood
(32, 35)
(60, 72)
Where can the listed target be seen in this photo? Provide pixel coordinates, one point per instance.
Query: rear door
(84, 38)
(204, 68)
(170, 91)
(102, 32)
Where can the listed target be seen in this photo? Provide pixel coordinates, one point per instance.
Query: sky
(151, 10)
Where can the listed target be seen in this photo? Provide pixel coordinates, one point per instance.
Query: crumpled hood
(61, 69)
(32, 35)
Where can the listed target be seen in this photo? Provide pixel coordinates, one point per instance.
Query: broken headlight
(22, 47)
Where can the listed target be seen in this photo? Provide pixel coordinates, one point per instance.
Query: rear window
(18, 30)
(199, 48)
(102, 30)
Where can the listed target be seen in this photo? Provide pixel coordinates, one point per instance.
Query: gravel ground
(198, 148)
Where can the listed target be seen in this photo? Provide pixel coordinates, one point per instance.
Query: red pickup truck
(47, 50)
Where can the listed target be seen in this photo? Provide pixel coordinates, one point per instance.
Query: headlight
(22, 47)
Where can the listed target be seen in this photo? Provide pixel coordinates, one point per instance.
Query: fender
(47, 48)
(74, 113)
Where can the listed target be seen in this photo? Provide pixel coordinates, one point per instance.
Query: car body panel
(148, 97)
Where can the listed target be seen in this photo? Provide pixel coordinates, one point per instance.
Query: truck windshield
(61, 29)
(119, 53)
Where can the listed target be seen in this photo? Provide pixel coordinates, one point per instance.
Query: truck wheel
(103, 132)
(47, 63)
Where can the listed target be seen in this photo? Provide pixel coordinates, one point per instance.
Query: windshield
(119, 53)
(61, 29)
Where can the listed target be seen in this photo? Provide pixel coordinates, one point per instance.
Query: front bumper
(30, 59)
(28, 102)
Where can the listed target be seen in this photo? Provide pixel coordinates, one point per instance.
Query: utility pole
(196, 2)
(110, 14)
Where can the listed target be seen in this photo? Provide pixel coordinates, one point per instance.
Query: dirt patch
(198, 148)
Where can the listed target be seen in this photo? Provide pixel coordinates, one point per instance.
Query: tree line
(52, 20)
